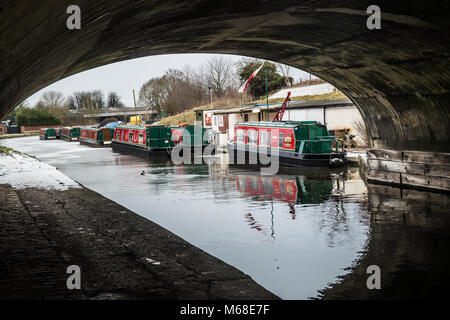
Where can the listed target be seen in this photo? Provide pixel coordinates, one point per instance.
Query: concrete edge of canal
(121, 255)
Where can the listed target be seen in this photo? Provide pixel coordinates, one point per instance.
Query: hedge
(35, 117)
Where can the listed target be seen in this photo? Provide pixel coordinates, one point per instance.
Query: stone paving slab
(121, 255)
(30, 265)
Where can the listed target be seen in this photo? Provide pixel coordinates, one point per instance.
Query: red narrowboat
(296, 143)
(95, 137)
(143, 141)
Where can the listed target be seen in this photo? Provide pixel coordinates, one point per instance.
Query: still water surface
(293, 233)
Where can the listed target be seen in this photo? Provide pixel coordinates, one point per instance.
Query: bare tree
(218, 73)
(286, 71)
(71, 103)
(98, 99)
(39, 105)
(153, 94)
(114, 100)
(174, 92)
(52, 99)
(83, 100)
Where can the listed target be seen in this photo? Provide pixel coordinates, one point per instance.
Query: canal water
(294, 233)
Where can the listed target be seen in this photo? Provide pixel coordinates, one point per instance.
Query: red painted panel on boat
(137, 136)
(288, 138)
(284, 190)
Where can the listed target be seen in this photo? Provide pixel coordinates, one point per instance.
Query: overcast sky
(125, 76)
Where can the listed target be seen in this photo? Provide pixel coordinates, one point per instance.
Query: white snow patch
(313, 90)
(21, 172)
(150, 260)
(356, 154)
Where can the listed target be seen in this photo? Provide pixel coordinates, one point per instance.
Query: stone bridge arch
(397, 76)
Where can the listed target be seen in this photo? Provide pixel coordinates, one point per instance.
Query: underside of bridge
(397, 76)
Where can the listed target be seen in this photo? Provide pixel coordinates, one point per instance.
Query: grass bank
(329, 96)
(189, 115)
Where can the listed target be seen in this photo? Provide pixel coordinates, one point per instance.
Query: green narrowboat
(297, 143)
(95, 137)
(143, 140)
(194, 136)
(70, 133)
(47, 133)
(156, 140)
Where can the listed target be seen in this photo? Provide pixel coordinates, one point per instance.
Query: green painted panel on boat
(194, 135)
(49, 132)
(314, 137)
(99, 135)
(159, 137)
(74, 132)
(314, 191)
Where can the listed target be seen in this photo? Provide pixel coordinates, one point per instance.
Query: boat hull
(47, 138)
(69, 139)
(140, 151)
(243, 155)
(94, 143)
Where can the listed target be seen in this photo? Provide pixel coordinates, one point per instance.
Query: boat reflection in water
(303, 233)
(296, 190)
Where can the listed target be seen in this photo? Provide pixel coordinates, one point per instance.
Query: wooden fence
(429, 170)
(25, 129)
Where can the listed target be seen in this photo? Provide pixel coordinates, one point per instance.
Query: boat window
(268, 187)
(240, 136)
(130, 136)
(141, 138)
(242, 183)
(265, 138)
(123, 136)
(254, 184)
(283, 188)
(252, 136)
(176, 136)
(280, 140)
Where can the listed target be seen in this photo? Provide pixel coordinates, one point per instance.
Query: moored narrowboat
(70, 133)
(142, 140)
(192, 136)
(58, 133)
(156, 140)
(294, 143)
(95, 137)
(47, 133)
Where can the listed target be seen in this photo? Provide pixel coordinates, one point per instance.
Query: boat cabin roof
(90, 128)
(279, 124)
(132, 127)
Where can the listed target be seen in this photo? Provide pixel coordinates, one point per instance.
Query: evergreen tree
(257, 86)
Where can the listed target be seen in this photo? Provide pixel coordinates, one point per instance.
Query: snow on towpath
(21, 172)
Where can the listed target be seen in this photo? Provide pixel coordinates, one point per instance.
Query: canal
(298, 234)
